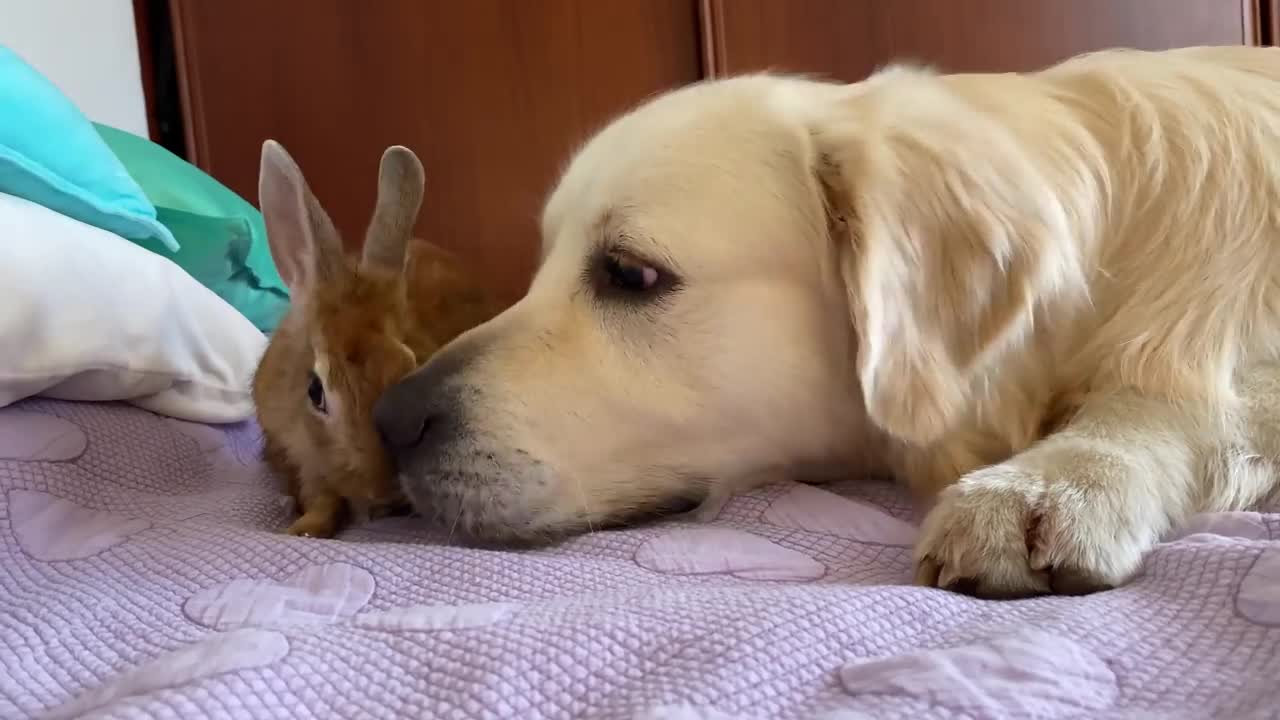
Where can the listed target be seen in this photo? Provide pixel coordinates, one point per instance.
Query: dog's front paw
(1096, 520)
(975, 540)
(1006, 531)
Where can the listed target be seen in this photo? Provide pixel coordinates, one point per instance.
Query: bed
(144, 575)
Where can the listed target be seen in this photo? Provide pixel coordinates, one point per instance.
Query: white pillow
(88, 315)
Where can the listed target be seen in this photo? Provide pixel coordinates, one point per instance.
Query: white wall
(88, 48)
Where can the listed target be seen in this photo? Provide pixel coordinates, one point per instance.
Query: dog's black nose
(410, 416)
(422, 412)
(401, 422)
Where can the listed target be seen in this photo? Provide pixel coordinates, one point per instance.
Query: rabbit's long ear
(304, 244)
(400, 183)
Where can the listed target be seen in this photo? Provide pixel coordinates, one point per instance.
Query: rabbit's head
(348, 334)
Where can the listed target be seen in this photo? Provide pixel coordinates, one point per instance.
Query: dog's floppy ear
(949, 234)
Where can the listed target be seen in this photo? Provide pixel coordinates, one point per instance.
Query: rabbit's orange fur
(359, 326)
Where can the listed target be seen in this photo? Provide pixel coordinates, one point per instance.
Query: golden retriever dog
(1049, 303)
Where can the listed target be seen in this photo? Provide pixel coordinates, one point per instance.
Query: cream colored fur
(1050, 303)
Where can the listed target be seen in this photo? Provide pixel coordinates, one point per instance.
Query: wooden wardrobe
(495, 94)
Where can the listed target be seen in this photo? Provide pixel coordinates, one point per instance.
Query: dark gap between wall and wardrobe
(159, 65)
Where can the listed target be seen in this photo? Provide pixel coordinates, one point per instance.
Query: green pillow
(221, 237)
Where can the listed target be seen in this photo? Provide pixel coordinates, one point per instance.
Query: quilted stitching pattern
(143, 575)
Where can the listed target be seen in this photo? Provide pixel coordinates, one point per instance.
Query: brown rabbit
(356, 325)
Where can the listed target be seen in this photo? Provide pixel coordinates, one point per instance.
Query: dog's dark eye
(630, 274)
(315, 393)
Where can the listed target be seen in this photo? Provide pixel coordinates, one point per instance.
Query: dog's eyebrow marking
(615, 232)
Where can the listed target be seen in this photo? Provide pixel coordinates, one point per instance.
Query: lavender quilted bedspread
(143, 574)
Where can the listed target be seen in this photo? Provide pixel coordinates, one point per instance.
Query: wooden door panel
(492, 94)
(848, 39)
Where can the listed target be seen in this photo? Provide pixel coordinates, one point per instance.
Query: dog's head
(741, 277)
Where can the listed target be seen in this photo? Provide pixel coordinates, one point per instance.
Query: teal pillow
(222, 237)
(50, 155)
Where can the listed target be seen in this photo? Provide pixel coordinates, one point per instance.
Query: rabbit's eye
(315, 393)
